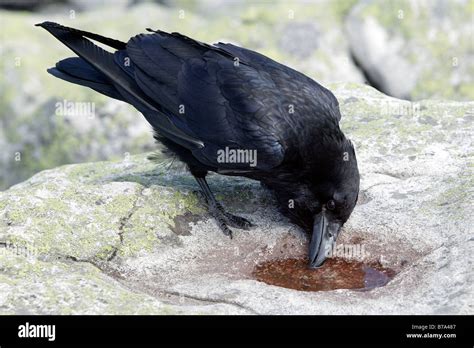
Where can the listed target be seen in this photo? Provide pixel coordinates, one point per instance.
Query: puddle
(336, 273)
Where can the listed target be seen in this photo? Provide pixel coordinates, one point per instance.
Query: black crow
(233, 111)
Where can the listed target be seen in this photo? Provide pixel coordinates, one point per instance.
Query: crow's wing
(236, 107)
(223, 104)
(197, 96)
(296, 87)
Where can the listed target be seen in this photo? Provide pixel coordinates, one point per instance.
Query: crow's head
(336, 196)
(324, 195)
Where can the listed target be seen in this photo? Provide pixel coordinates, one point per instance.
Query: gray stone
(132, 236)
(415, 49)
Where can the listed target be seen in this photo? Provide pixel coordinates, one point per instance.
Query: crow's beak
(322, 241)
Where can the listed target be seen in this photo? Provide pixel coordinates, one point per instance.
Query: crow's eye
(331, 205)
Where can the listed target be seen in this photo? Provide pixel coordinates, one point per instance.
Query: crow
(230, 110)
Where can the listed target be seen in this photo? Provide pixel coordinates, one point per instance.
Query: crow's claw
(238, 221)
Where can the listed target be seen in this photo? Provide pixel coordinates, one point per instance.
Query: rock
(132, 236)
(28, 5)
(415, 49)
(299, 34)
(91, 5)
(47, 122)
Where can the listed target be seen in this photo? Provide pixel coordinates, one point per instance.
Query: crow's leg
(213, 206)
(217, 211)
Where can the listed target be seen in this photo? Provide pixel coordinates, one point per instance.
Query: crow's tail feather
(97, 69)
(76, 70)
(51, 26)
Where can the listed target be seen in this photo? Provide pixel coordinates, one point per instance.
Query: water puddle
(336, 273)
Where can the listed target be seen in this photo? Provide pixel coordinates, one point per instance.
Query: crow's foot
(222, 217)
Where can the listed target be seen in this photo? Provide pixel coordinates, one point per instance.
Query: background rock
(415, 49)
(28, 5)
(132, 236)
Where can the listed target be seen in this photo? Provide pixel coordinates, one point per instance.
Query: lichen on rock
(133, 235)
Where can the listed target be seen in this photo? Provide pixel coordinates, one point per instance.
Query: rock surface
(133, 236)
(415, 49)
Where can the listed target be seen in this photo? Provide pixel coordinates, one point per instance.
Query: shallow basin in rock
(336, 273)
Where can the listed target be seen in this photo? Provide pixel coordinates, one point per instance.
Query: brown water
(336, 273)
